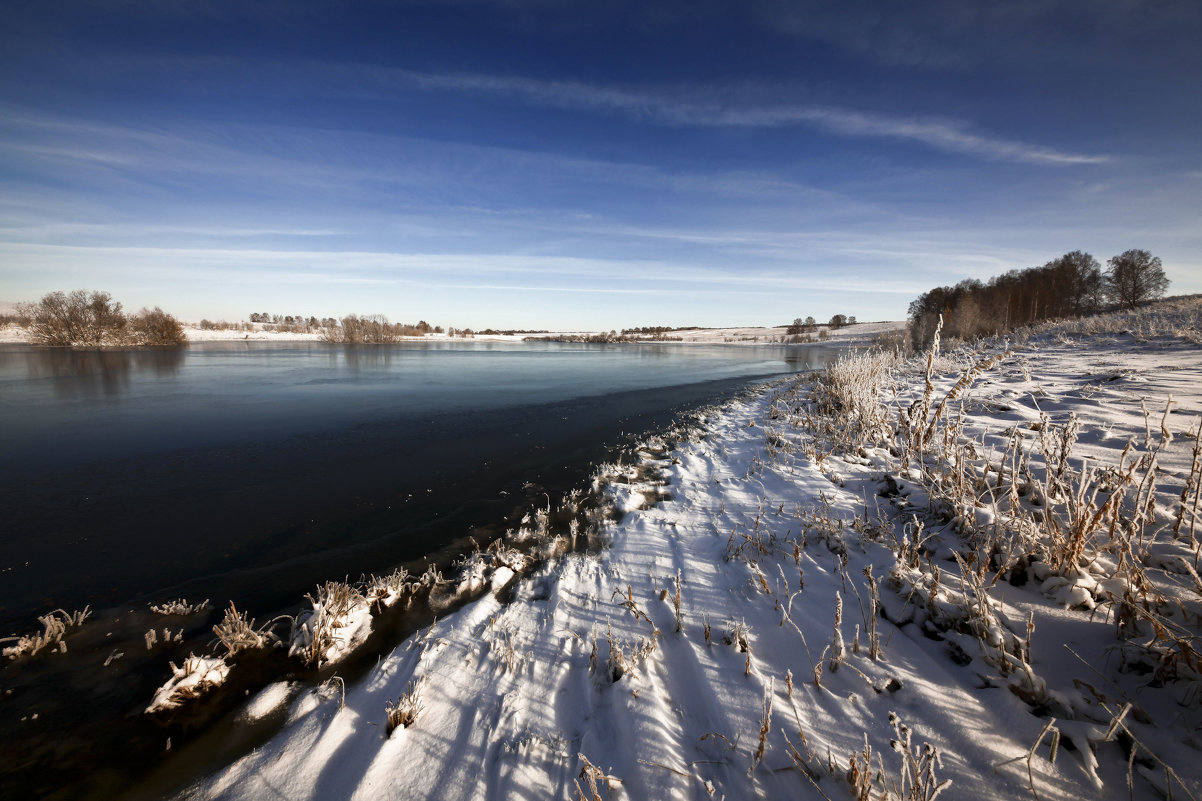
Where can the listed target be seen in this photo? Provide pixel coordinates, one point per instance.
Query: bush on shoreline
(93, 319)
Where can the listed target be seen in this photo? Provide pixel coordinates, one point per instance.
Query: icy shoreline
(725, 643)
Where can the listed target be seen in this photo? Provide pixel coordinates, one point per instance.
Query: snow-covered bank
(911, 575)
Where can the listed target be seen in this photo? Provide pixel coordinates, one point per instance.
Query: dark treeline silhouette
(1069, 286)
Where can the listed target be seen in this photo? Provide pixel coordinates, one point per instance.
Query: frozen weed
(765, 725)
(592, 775)
(405, 710)
(916, 779)
(676, 606)
(837, 649)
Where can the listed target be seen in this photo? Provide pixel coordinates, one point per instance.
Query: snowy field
(973, 576)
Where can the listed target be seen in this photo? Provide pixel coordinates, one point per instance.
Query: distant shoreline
(858, 333)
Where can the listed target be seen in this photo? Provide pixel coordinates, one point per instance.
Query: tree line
(1069, 286)
(83, 318)
(374, 329)
(809, 325)
(352, 329)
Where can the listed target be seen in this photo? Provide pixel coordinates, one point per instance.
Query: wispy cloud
(675, 106)
(666, 109)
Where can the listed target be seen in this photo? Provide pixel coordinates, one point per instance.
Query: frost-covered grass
(973, 574)
(50, 639)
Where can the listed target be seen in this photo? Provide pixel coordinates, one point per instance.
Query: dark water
(251, 471)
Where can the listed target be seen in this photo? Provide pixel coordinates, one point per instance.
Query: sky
(568, 165)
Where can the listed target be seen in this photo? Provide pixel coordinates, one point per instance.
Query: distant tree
(851, 320)
(795, 328)
(838, 321)
(1135, 276)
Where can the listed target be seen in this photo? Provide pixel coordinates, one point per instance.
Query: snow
(721, 645)
(268, 701)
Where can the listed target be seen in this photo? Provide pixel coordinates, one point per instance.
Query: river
(249, 471)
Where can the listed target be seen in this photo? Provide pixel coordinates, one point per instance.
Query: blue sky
(559, 164)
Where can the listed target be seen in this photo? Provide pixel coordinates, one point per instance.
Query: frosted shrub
(850, 391)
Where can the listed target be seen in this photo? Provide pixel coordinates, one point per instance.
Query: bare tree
(1135, 276)
(78, 318)
(95, 319)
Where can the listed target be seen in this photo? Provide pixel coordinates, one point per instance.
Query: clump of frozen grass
(327, 632)
(50, 638)
(197, 676)
(404, 712)
(179, 607)
(848, 401)
(237, 632)
(383, 591)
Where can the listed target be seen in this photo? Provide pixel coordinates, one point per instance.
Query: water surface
(251, 470)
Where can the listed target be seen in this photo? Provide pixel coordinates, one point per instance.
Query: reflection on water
(362, 357)
(76, 373)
